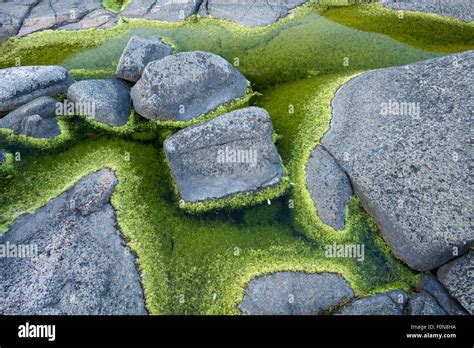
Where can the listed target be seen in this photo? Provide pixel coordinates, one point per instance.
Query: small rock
(21, 85)
(77, 261)
(392, 303)
(230, 154)
(37, 127)
(106, 101)
(423, 303)
(137, 54)
(432, 286)
(186, 85)
(295, 293)
(3, 157)
(42, 106)
(329, 186)
(458, 277)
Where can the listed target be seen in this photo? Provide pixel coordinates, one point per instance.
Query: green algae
(200, 263)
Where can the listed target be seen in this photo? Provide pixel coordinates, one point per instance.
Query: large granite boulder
(106, 101)
(458, 277)
(433, 287)
(137, 54)
(75, 260)
(163, 10)
(391, 303)
(329, 187)
(66, 14)
(230, 154)
(402, 136)
(295, 293)
(21, 85)
(250, 13)
(186, 85)
(461, 9)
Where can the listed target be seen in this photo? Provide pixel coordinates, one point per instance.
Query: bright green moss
(201, 263)
(115, 5)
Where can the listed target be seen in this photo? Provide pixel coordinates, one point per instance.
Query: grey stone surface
(67, 14)
(12, 15)
(295, 293)
(186, 85)
(410, 168)
(3, 157)
(78, 261)
(329, 186)
(433, 287)
(461, 9)
(108, 100)
(423, 303)
(34, 119)
(21, 85)
(163, 10)
(230, 154)
(137, 54)
(458, 277)
(391, 303)
(251, 13)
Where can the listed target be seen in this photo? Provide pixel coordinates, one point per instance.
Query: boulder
(74, 258)
(186, 85)
(163, 10)
(402, 136)
(3, 157)
(461, 9)
(231, 154)
(391, 303)
(67, 14)
(250, 13)
(137, 54)
(21, 85)
(106, 101)
(423, 303)
(295, 293)
(34, 119)
(329, 187)
(458, 277)
(433, 287)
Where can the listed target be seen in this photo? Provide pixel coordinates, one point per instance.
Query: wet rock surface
(75, 260)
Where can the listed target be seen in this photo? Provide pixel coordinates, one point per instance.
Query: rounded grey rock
(329, 187)
(391, 303)
(137, 54)
(231, 154)
(295, 293)
(21, 85)
(106, 101)
(186, 85)
(458, 277)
